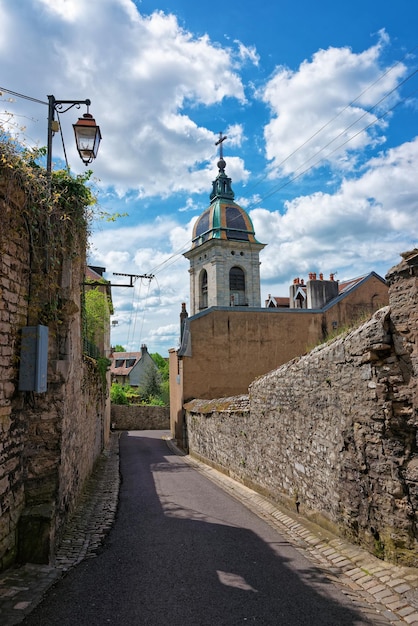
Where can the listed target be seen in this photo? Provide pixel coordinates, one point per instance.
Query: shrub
(118, 394)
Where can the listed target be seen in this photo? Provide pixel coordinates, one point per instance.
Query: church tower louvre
(224, 257)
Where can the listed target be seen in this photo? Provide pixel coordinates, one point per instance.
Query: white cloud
(155, 247)
(5, 28)
(326, 103)
(156, 88)
(235, 135)
(360, 227)
(191, 206)
(140, 72)
(248, 53)
(248, 201)
(363, 226)
(68, 11)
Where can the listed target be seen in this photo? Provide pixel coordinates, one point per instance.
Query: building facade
(229, 340)
(224, 257)
(131, 368)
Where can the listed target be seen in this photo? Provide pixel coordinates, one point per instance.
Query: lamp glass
(87, 136)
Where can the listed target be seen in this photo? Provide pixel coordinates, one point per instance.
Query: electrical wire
(280, 186)
(366, 113)
(329, 122)
(21, 95)
(175, 254)
(143, 314)
(63, 144)
(305, 171)
(134, 314)
(174, 257)
(158, 290)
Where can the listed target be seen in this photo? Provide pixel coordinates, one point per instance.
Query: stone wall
(48, 441)
(140, 417)
(14, 262)
(334, 430)
(225, 349)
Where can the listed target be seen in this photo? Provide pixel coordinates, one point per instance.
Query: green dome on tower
(224, 219)
(225, 255)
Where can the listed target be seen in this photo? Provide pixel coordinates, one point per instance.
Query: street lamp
(87, 137)
(87, 133)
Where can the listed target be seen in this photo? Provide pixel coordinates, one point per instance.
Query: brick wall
(335, 429)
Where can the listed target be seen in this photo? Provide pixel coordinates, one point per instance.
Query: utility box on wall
(34, 359)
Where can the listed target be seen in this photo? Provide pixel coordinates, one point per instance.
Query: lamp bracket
(60, 105)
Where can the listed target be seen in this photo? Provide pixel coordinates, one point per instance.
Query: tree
(97, 315)
(151, 385)
(162, 365)
(119, 348)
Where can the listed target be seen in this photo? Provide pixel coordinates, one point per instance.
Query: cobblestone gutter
(22, 588)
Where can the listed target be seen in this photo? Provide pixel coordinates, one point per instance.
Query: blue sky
(318, 100)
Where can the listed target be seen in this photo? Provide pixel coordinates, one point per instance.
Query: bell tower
(224, 257)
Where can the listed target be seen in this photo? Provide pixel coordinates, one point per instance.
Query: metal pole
(54, 104)
(51, 115)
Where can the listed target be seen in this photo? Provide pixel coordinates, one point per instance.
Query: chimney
(320, 292)
(143, 349)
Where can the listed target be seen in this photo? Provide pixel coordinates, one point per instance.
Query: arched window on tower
(237, 287)
(203, 292)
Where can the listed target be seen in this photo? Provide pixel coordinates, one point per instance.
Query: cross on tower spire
(220, 144)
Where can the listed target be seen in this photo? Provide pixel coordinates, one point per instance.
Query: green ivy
(53, 212)
(102, 365)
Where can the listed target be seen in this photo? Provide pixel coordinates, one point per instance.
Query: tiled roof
(346, 285)
(123, 362)
(282, 301)
(343, 288)
(92, 275)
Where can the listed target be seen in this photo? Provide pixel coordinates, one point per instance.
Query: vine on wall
(54, 212)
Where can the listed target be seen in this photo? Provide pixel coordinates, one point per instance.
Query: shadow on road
(182, 552)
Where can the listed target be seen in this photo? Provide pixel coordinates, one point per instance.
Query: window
(202, 227)
(235, 222)
(236, 279)
(237, 287)
(203, 296)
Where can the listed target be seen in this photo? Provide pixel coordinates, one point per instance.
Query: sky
(319, 103)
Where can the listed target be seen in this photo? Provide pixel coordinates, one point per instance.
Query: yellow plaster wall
(231, 348)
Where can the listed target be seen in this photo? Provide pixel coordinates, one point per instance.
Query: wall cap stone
(219, 405)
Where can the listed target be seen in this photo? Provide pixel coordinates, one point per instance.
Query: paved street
(182, 551)
(191, 546)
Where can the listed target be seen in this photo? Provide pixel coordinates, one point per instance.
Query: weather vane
(219, 143)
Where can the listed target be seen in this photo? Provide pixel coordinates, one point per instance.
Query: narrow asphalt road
(183, 552)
